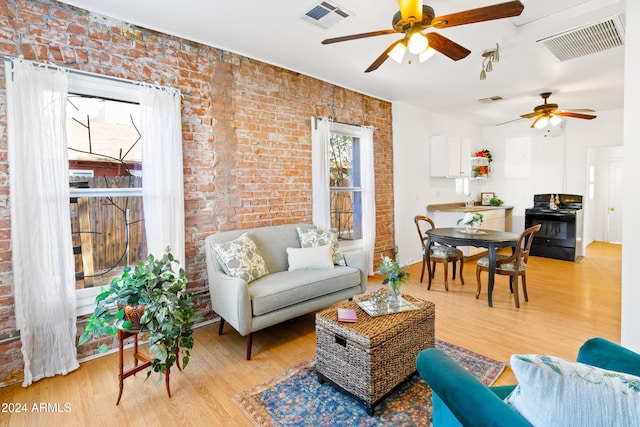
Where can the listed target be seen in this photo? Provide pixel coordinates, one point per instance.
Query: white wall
(630, 333)
(414, 188)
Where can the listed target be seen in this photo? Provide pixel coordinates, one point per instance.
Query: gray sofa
(280, 295)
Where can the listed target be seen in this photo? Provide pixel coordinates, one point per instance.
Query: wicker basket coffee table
(372, 356)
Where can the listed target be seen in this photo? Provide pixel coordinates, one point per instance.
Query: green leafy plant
(159, 284)
(495, 202)
(395, 273)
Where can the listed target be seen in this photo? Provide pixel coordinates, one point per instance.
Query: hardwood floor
(568, 303)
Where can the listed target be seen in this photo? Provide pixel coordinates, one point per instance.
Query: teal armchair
(460, 399)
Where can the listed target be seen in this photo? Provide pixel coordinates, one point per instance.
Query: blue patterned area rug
(296, 398)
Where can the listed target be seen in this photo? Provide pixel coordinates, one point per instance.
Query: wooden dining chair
(438, 253)
(514, 265)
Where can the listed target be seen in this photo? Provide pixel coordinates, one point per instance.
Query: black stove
(552, 211)
(560, 236)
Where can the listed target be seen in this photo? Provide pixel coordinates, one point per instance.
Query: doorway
(613, 225)
(603, 209)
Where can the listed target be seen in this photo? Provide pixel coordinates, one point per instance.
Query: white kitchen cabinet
(450, 157)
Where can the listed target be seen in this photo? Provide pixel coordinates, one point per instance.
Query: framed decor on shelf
(485, 198)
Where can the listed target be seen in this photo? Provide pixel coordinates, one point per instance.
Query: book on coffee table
(347, 315)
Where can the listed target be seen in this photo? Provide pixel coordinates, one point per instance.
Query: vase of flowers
(471, 221)
(395, 274)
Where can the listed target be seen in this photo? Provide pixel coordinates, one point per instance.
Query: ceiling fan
(547, 113)
(414, 17)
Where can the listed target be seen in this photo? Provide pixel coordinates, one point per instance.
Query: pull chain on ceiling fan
(414, 17)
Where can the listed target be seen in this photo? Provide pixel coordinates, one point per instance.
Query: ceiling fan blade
(580, 110)
(446, 46)
(510, 121)
(357, 36)
(532, 115)
(488, 13)
(380, 60)
(574, 115)
(411, 9)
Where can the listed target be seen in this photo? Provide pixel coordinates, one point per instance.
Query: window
(344, 183)
(345, 186)
(105, 176)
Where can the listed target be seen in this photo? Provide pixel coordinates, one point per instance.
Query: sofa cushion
(313, 258)
(240, 258)
(282, 289)
(310, 237)
(553, 391)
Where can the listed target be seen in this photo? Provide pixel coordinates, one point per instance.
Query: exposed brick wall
(246, 132)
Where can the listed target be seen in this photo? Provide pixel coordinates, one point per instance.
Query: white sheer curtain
(162, 173)
(43, 266)
(320, 134)
(368, 195)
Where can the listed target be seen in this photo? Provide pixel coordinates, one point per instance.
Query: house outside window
(345, 186)
(105, 179)
(105, 176)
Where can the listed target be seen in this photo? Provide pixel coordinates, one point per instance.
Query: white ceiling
(273, 32)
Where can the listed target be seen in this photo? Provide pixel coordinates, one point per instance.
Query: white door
(613, 227)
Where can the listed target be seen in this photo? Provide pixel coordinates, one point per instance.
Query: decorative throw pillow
(312, 237)
(240, 258)
(314, 258)
(554, 392)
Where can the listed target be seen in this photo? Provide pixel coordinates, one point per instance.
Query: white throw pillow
(240, 258)
(312, 237)
(554, 392)
(314, 258)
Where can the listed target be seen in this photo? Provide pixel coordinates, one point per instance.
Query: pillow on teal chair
(554, 392)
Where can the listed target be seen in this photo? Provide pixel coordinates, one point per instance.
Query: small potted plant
(395, 275)
(495, 202)
(158, 285)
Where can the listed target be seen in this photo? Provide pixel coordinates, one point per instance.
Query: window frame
(96, 85)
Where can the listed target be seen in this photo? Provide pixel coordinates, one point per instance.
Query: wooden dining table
(490, 239)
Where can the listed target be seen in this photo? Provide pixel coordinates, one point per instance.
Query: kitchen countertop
(461, 207)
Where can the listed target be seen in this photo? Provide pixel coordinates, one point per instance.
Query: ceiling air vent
(490, 99)
(325, 15)
(593, 38)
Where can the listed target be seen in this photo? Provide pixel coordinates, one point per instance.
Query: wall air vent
(325, 15)
(593, 38)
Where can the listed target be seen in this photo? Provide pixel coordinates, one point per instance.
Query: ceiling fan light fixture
(411, 9)
(496, 54)
(555, 120)
(418, 43)
(489, 67)
(428, 53)
(541, 122)
(415, 17)
(483, 74)
(397, 53)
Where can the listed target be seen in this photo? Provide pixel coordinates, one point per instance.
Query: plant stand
(137, 357)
